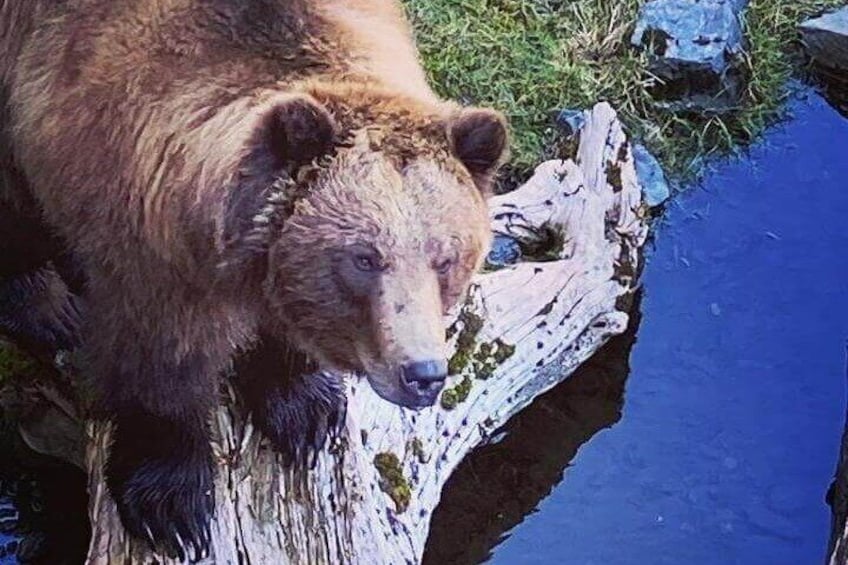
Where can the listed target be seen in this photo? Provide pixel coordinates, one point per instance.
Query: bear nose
(424, 379)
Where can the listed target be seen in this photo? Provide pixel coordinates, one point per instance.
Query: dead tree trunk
(523, 329)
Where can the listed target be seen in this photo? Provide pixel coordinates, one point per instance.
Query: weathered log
(523, 329)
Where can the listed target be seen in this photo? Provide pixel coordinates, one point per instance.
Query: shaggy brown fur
(225, 169)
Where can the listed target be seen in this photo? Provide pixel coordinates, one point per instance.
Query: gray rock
(696, 48)
(826, 39)
(571, 121)
(651, 176)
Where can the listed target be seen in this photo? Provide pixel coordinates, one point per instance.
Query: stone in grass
(651, 176)
(696, 48)
(826, 39)
(571, 121)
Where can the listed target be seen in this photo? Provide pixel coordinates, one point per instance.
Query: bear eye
(366, 263)
(443, 267)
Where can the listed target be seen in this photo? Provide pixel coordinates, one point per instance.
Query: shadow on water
(497, 485)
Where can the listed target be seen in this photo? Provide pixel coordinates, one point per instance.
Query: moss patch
(456, 395)
(482, 363)
(489, 356)
(468, 324)
(392, 481)
(532, 58)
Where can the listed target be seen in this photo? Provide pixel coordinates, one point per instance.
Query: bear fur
(272, 177)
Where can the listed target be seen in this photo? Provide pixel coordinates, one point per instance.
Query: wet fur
(139, 146)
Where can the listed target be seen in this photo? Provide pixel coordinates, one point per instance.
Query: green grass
(530, 58)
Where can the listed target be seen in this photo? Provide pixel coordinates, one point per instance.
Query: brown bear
(222, 174)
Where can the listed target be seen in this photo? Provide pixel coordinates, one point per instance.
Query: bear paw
(162, 481)
(299, 416)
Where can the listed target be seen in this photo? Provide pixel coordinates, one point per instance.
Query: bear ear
(479, 139)
(291, 132)
(297, 130)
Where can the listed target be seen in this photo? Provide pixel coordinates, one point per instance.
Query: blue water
(735, 402)
(8, 524)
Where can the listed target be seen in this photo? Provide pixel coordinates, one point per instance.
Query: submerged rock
(696, 48)
(505, 251)
(826, 39)
(651, 176)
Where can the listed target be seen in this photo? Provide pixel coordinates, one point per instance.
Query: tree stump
(523, 329)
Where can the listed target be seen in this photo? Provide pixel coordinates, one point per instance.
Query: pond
(727, 415)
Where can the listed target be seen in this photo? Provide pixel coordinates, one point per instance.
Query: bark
(523, 329)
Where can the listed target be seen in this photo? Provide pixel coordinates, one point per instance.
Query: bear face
(383, 244)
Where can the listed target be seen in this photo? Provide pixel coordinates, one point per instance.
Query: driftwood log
(523, 329)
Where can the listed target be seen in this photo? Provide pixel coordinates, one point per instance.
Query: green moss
(456, 395)
(489, 356)
(470, 324)
(482, 358)
(458, 362)
(532, 58)
(392, 481)
(503, 351)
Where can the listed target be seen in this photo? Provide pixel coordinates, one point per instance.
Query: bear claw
(162, 481)
(300, 417)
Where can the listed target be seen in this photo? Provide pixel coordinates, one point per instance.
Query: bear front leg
(296, 406)
(155, 368)
(160, 474)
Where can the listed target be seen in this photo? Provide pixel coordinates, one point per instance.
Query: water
(735, 399)
(8, 524)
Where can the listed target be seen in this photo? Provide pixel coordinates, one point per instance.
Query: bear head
(388, 225)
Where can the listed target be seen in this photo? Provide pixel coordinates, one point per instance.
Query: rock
(505, 251)
(571, 121)
(696, 49)
(651, 176)
(826, 39)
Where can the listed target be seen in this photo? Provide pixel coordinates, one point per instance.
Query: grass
(530, 58)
